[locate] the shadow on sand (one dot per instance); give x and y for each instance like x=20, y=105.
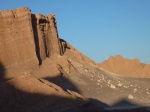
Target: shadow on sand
x=64, y=83
x=14, y=98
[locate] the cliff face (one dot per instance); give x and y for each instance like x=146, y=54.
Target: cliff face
x=126, y=67
x=26, y=40
x=46, y=36
x=31, y=51
x=16, y=40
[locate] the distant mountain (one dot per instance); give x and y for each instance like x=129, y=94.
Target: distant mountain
x=126, y=67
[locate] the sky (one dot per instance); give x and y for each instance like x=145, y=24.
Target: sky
x=98, y=28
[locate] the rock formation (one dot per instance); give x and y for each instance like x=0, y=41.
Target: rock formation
x=26, y=40
x=46, y=36
x=16, y=41
x=41, y=72
x=31, y=50
x=126, y=67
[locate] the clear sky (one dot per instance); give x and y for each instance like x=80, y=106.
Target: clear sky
x=98, y=28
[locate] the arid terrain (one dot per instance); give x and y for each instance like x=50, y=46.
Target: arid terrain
x=41, y=72
x=126, y=67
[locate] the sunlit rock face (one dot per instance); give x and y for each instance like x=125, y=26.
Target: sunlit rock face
x=126, y=67
x=17, y=46
x=26, y=40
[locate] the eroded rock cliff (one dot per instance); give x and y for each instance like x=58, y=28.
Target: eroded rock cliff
x=17, y=48
x=31, y=51
x=46, y=36
x=26, y=40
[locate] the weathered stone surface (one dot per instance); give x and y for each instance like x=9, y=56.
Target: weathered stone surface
x=26, y=40
x=17, y=48
x=126, y=67
x=46, y=36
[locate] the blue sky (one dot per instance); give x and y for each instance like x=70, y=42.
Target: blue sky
x=98, y=28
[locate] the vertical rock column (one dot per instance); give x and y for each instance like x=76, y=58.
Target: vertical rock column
x=46, y=36
x=54, y=46
x=39, y=23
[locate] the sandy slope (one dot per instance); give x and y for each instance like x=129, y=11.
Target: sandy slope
x=110, y=90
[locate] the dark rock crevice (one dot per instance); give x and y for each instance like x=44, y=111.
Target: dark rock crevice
x=46, y=37
x=36, y=40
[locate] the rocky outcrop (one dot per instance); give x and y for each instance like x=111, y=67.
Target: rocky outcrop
x=31, y=50
x=126, y=67
x=46, y=36
x=26, y=40
x=16, y=41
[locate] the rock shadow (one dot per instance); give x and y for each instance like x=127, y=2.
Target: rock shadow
x=99, y=103
x=36, y=39
x=123, y=105
x=13, y=99
x=63, y=82
x=64, y=45
x=25, y=95
x=2, y=72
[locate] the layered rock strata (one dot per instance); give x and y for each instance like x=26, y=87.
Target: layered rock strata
x=26, y=40
x=17, y=48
